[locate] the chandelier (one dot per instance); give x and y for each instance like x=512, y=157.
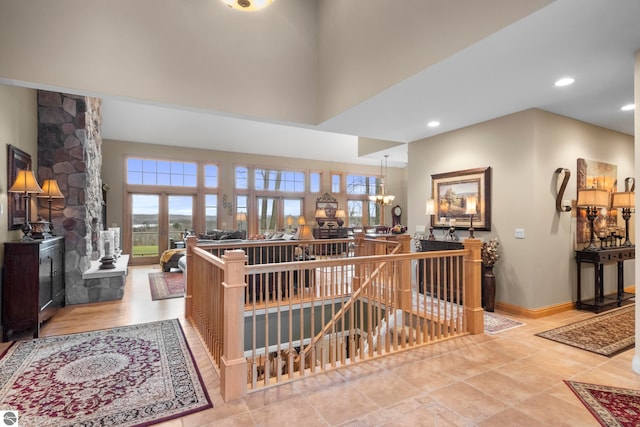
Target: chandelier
x=381, y=197
x=248, y=5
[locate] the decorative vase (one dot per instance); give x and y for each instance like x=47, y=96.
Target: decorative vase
x=489, y=288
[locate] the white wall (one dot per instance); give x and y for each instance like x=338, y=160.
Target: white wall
x=199, y=53
x=524, y=150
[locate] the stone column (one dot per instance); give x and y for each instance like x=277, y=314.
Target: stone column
x=69, y=150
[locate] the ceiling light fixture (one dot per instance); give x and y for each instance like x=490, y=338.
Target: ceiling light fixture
x=565, y=81
x=628, y=107
x=248, y=5
x=433, y=124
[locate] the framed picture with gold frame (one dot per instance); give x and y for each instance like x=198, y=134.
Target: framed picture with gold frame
x=16, y=159
x=450, y=193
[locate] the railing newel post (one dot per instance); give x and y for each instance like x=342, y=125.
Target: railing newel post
x=473, y=311
x=233, y=378
x=188, y=292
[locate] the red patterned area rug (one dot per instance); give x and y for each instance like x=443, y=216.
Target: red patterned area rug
x=166, y=285
x=612, y=406
x=607, y=334
x=130, y=376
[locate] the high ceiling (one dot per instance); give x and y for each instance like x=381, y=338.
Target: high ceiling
x=510, y=70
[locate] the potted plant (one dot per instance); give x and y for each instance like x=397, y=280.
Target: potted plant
x=490, y=256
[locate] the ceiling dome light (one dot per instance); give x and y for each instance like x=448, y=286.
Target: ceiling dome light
x=565, y=81
x=248, y=5
x=628, y=107
x=433, y=124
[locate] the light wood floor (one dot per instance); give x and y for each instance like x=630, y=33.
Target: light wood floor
x=510, y=379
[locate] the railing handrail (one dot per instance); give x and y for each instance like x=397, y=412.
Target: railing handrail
x=360, y=278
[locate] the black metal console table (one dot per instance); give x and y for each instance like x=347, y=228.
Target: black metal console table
x=599, y=258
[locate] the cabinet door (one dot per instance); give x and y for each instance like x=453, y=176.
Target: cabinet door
x=46, y=282
x=57, y=276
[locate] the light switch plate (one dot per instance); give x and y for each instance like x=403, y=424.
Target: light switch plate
x=519, y=233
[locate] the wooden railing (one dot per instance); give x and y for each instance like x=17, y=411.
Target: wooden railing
x=270, y=323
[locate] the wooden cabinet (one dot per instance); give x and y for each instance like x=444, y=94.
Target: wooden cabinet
x=33, y=284
x=434, y=275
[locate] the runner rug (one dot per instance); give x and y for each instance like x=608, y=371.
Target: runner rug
x=166, y=285
x=608, y=334
x=494, y=323
x=612, y=406
x=129, y=376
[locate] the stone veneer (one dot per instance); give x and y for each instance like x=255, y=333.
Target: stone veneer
x=69, y=150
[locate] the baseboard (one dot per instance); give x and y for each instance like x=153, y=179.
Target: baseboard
x=536, y=313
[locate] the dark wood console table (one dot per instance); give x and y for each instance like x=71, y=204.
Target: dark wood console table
x=599, y=258
x=443, y=265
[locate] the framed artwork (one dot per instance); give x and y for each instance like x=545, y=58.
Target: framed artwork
x=450, y=193
x=16, y=159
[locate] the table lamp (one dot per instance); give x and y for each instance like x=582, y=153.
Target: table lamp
x=430, y=212
x=27, y=184
x=626, y=201
x=591, y=200
x=472, y=203
x=50, y=190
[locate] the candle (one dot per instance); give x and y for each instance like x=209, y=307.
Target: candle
x=442, y=219
x=452, y=222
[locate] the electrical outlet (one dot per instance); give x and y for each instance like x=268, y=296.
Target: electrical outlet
x=519, y=233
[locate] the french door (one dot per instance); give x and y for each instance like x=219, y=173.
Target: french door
x=156, y=220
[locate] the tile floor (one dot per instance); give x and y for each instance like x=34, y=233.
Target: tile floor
x=509, y=379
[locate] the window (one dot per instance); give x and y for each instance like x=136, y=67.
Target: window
x=275, y=180
x=365, y=185
x=336, y=182
x=242, y=177
x=211, y=176
x=315, y=182
x=161, y=172
x=241, y=216
x=211, y=211
x=362, y=212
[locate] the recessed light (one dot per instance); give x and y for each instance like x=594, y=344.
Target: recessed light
x=565, y=81
x=628, y=107
x=433, y=124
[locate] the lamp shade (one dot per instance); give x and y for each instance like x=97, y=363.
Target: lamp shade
x=301, y=220
x=472, y=203
x=321, y=213
x=430, y=207
x=593, y=197
x=241, y=216
x=340, y=213
x=51, y=190
x=25, y=183
x=304, y=232
x=625, y=199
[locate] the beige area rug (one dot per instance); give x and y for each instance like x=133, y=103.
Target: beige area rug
x=166, y=285
x=607, y=334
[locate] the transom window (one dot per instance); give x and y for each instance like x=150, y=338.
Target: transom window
x=211, y=176
x=365, y=185
x=275, y=180
x=161, y=172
